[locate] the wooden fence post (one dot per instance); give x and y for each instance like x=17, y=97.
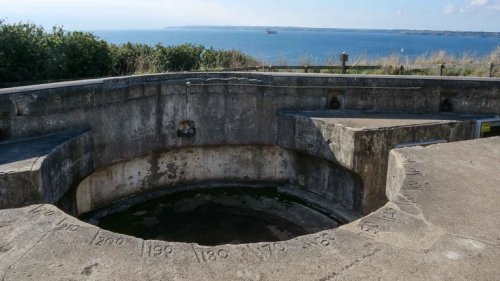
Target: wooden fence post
x=344, y=58
x=441, y=69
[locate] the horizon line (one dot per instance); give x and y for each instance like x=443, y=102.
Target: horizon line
x=320, y=28
x=195, y=26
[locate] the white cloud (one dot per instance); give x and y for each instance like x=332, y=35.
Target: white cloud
x=478, y=3
x=474, y=6
x=450, y=9
x=488, y=6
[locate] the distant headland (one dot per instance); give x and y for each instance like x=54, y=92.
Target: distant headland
x=294, y=28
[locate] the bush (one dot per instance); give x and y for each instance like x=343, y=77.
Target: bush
x=212, y=59
x=79, y=55
x=179, y=58
x=29, y=53
x=132, y=58
x=24, y=52
x=235, y=58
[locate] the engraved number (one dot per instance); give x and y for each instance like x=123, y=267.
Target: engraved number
x=101, y=241
x=159, y=250
x=211, y=255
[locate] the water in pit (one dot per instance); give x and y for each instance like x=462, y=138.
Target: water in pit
x=216, y=217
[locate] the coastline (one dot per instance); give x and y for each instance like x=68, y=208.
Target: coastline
x=483, y=34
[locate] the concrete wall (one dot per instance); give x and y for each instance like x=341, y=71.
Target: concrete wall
x=131, y=117
x=215, y=164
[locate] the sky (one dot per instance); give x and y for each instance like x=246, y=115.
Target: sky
x=462, y=15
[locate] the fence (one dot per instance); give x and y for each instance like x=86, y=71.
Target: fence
x=489, y=70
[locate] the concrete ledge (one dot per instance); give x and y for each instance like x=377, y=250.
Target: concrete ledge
x=43, y=169
x=361, y=141
x=441, y=224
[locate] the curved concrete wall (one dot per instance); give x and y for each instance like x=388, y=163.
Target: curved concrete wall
x=131, y=117
x=216, y=164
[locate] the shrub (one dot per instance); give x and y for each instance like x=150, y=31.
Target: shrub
x=132, y=58
x=213, y=59
x=235, y=58
x=79, y=55
x=23, y=52
x=29, y=53
x=179, y=58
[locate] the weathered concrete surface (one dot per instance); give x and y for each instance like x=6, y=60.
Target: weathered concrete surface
x=181, y=167
x=441, y=224
x=361, y=141
x=136, y=121
x=131, y=117
x=218, y=164
x=43, y=169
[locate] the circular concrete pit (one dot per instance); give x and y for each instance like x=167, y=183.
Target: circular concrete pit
x=249, y=177
x=200, y=194
x=229, y=215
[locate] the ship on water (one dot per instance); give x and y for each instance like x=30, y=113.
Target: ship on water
x=271, y=32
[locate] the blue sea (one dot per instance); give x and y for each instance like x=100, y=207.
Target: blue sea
x=289, y=46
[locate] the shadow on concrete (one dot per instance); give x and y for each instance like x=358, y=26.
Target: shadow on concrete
x=28, y=148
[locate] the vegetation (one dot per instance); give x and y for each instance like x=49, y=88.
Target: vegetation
x=438, y=63
x=29, y=54
x=429, y=64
